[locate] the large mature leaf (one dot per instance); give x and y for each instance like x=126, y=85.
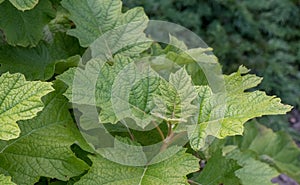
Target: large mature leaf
x=169, y=171
x=39, y=62
x=122, y=89
x=24, y=28
x=219, y=170
x=19, y=100
x=43, y=149
x=94, y=83
x=252, y=171
x=279, y=150
x=223, y=114
x=175, y=103
x=132, y=93
x=24, y=4
x=93, y=18
x=4, y=180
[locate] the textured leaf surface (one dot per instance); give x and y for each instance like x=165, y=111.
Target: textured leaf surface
x=279, y=150
x=43, y=149
x=39, y=63
x=219, y=170
x=93, y=85
x=175, y=103
x=18, y=26
x=94, y=17
x=223, y=114
x=132, y=93
x=253, y=171
x=5, y=180
x=19, y=100
x=24, y=4
x=121, y=89
x=169, y=171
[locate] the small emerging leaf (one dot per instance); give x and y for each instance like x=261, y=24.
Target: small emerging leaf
x=175, y=102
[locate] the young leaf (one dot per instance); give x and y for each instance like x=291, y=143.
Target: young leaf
x=15, y=24
x=223, y=114
x=175, y=102
x=169, y=171
x=43, y=148
x=19, y=100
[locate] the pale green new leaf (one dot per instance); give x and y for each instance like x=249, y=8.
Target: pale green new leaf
x=252, y=171
x=280, y=150
x=24, y=4
x=170, y=171
x=43, y=148
x=5, y=180
x=175, y=102
x=19, y=100
x=223, y=114
x=93, y=18
x=15, y=24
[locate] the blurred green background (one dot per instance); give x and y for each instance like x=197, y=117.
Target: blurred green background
x=263, y=35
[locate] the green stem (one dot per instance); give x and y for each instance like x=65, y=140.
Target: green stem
x=159, y=130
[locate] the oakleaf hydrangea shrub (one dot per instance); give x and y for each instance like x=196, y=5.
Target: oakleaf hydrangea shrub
x=89, y=97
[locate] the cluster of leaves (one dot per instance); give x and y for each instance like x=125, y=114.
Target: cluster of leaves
x=262, y=35
x=43, y=71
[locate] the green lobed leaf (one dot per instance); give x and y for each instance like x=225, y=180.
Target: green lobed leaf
x=6, y=180
x=94, y=18
x=175, y=102
x=24, y=4
x=43, y=148
x=94, y=83
x=122, y=89
x=253, y=171
x=170, y=171
x=280, y=150
x=19, y=100
x=223, y=114
x=15, y=25
x=132, y=93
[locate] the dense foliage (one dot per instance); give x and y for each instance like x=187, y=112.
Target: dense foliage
x=56, y=69
x=263, y=35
